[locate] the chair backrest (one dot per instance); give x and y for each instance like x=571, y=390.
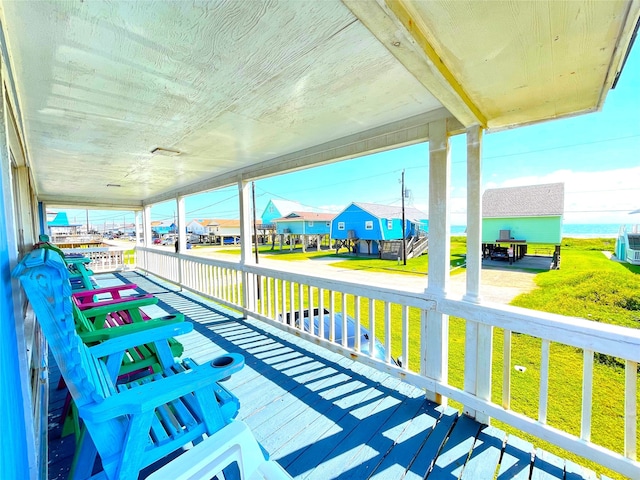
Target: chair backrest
x=45, y=279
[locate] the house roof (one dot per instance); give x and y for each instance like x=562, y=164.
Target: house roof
x=391, y=211
x=528, y=201
x=286, y=206
x=162, y=223
x=205, y=222
x=306, y=216
x=61, y=220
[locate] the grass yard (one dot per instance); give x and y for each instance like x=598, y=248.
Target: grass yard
x=414, y=266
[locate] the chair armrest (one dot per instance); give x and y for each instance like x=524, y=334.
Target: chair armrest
x=107, y=333
x=104, y=310
x=124, y=342
x=84, y=305
x=148, y=396
x=114, y=291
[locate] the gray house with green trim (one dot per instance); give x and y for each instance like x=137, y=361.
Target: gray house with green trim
x=519, y=216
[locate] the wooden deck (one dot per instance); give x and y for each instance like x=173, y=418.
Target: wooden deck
x=323, y=416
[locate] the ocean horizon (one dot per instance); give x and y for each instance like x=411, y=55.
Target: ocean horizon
x=576, y=230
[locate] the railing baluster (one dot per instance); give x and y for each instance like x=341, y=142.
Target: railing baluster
x=405, y=337
x=283, y=302
x=310, y=306
x=345, y=334
x=268, y=282
x=321, y=312
x=356, y=312
x=300, y=306
x=587, y=395
x=332, y=316
x=372, y=326
x=506, y=371
x=544, y=382
x=387, y=332
x=292, y=309
x=630, y=409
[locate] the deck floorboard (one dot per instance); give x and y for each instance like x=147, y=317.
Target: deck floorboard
x=324, y=416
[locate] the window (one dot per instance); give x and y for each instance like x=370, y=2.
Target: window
x=328, y=224
x=389, y=224
x=368, y=225
x=310, y=224
x=272, y=209
x=340, y=225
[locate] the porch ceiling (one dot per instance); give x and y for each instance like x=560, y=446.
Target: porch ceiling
x=247, y=89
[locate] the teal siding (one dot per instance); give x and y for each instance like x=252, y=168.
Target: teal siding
x=304, y=227
x=270, y=213
x=531, y=229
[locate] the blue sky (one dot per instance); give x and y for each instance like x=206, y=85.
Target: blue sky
x=596, y=155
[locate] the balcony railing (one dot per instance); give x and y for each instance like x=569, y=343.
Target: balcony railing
x=106, y=259
x=397, y=319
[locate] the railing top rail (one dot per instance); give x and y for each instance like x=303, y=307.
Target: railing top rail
x=614, y=340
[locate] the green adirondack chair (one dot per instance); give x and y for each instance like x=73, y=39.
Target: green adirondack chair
x=132, y=425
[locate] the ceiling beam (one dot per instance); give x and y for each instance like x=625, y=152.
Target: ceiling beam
x=65, y=201
x=386, y=137
x=400, y=31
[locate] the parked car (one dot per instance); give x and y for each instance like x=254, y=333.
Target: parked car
x=157, y=241
x=499, y=253
x=379, y=351
x=169, y=240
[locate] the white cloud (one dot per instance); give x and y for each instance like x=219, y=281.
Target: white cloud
x=591, y=197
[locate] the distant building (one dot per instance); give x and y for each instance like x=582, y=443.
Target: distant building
x=308, y=227
x=365, y=227
x=203, y=226
x=515, y=217
x=162, y=227
x=278, y=209
x=61, y=227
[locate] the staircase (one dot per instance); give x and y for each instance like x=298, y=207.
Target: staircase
x=416, y=246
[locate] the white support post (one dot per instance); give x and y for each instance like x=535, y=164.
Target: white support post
x=137, y=226
x=246, y=257
x=474, y=213
x=435, y=325
x=182, y=235
x=146, y=226
x=478, y=337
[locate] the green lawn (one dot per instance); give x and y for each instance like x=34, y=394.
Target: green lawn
x=343, y=259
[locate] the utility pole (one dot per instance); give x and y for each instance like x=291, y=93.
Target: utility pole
x=404, y=240
x=87, y=211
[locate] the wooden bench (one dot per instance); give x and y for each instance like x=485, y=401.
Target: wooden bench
x=130, y=426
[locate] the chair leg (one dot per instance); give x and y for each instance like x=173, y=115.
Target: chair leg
x=85, y=457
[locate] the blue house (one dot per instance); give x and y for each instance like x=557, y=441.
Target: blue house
x=278, y=209
x=304, y=226
x=365, y=227
x=163, y=227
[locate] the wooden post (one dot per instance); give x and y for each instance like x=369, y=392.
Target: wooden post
x=435, y=325
x=478, y=337
x=244, y=197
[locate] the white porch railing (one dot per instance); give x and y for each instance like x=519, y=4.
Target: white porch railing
x=105, y=259
x=269, y=294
